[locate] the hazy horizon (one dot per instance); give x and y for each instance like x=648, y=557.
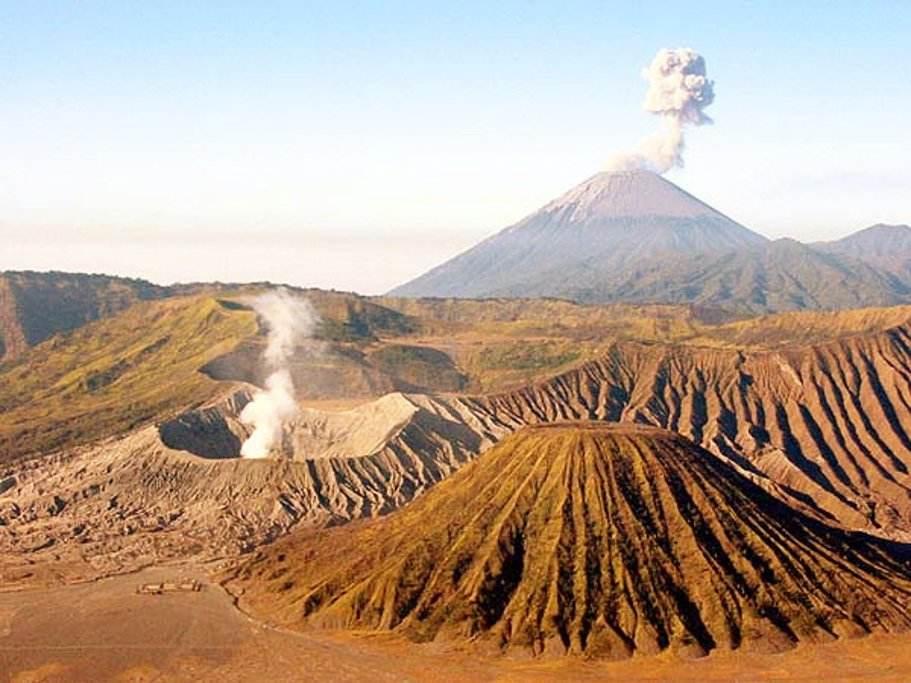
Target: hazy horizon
x=356, y=146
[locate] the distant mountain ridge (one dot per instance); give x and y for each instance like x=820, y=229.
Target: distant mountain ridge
x=635, y=237
x=887, y=247
x=780, y=275
x=609, y=222
x=34, y=306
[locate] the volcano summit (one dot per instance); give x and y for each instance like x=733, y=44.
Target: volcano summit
x=611, y=222
x=635, y=237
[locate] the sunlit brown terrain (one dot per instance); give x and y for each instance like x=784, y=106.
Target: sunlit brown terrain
x=413, y=342
x=104, y=631
x=791, y=448
x=590, y=538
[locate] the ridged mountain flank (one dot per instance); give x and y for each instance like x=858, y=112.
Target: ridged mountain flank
x=781, y=275
x=611, y=221
x=35, y=306
x=591, y=539
x=635, y=237
x=887, y=247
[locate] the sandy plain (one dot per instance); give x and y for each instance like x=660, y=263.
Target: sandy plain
x=105, y=631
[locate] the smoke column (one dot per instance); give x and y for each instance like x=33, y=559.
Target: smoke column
x=289, y=321
x=678, y=93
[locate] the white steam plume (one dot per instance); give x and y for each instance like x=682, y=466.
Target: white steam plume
x=678, y=92
x=289, y=320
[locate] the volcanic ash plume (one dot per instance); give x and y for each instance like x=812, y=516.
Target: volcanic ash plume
x=290, y=321
x=678, y=92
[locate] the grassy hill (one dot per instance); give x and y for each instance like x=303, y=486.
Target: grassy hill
x=109, y=376
x=35, y=306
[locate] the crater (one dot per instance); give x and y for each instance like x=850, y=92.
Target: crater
x=216, y=432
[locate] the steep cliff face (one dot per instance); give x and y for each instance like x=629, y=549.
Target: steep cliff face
x=35, y=306
x=588, y=538
x=12, y=337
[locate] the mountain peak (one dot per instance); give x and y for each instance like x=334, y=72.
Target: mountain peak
x=883, y=246
x=609, y=222
x=900, y=228
x=881, y=232
x=614, y=194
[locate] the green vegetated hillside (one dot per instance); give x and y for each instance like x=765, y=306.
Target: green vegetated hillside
x=418, y=367
x=35, y=306
x=114, y=374
x=802, y=327
x=152, y=357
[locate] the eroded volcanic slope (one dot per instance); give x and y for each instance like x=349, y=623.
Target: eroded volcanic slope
x=604, y=540
x=826, y=423
x=821, y=425
x=177, y=490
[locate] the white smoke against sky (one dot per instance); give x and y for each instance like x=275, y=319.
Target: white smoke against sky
x=678, y=93
x=289, y=321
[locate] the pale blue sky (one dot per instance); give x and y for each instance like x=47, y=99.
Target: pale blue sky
x=355, y=145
